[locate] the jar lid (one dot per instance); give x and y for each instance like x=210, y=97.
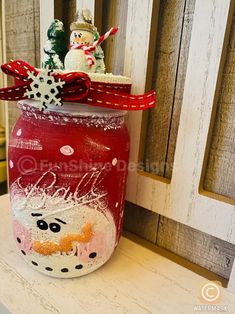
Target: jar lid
x=75, y=109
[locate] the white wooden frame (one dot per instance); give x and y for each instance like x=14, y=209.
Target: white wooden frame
x=179, y=199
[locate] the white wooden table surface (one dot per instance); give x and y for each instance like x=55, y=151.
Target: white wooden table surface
x=136, y=280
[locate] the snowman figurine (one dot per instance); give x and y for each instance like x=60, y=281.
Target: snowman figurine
x=79, y=58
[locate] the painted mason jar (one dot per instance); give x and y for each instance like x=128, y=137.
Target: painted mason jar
x=68, y=170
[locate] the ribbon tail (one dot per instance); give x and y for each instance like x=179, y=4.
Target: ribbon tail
x=18, y=69
x=14, y=92
x=121, y=101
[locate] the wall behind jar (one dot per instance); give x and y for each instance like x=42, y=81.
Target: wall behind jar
x=22, y=35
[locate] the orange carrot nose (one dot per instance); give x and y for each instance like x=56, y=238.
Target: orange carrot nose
x=66, y=242
x=77, y=40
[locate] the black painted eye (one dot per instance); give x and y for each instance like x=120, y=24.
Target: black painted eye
x=93, y=255
x=54, y=227
x=42, y=225
x=75, y=35
x=80, y=35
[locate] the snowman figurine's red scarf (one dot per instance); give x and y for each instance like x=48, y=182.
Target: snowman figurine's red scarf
x=77, y=88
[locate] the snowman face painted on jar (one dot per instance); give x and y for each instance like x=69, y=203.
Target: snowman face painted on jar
x=61, y=237
x=81, y=37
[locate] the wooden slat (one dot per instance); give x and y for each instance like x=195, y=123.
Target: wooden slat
x=220, y=173
x=99, y=14
x=86, y=4
x=115, y=14
x=141, y=222
x=58, y=9
x=179, y=85
x=138, y=28
x=197, y=247
x=67, y=15
x=22, y=30
x=166, y=69
x=46, y=18
x=22, y=38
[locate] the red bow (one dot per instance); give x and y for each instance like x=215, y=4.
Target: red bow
x=77, y=87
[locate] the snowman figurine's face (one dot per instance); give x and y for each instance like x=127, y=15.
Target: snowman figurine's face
x=81, y=37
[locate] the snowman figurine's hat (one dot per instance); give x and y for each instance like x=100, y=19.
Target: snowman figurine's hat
x=84, y=22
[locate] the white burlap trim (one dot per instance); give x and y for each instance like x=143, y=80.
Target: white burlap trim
x=109, y=78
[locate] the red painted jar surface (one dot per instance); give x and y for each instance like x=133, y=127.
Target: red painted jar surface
x=68, y=171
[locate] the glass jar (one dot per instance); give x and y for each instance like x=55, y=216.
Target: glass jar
x=67, y=172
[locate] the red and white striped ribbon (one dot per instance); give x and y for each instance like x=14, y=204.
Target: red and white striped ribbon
x=89, y=59
x=112, y=31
